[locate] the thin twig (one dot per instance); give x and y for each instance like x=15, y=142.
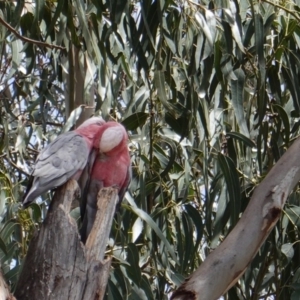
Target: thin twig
x=16, y=167
x=25, y=39
x=48, y=123
x=283, y=8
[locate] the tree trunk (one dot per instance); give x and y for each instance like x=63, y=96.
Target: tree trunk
x=58, y=265
x=79, y=84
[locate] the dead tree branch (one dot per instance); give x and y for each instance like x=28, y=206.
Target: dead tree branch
x=225, y=265
x=31, y=41
x=58, y=266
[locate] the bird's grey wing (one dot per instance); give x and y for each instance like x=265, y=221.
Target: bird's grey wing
x=66, y=155
x=61, y=160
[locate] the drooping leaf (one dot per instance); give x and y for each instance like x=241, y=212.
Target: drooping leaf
x=232, y=181
x=135, y=120
x=237, y=87
x=242, y=138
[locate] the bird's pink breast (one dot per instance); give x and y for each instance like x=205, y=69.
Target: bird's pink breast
x=111, y=171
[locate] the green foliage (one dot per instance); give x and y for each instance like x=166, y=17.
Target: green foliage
x=209, y=94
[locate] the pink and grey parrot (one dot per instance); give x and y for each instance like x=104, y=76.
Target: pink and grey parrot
x=65, y=158
x=111, y=168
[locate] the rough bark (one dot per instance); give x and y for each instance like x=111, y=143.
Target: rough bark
x=225, y=265
x=58, y=266
x=75, y=84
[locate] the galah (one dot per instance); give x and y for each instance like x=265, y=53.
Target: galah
x=111, y=168
x=63, y=159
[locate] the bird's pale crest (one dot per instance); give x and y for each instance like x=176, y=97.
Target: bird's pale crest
x=92, y=121
x=111, y=138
